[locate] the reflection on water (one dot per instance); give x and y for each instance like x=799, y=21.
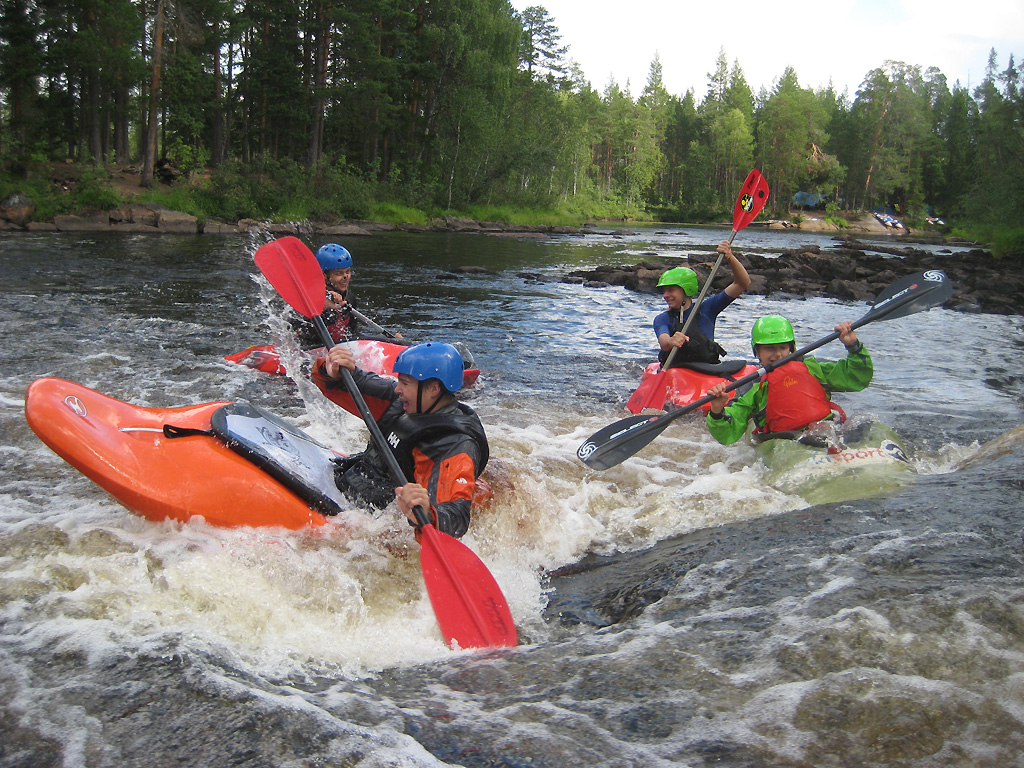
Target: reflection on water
x=699, y=616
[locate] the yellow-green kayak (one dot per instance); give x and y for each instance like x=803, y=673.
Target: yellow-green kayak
x=834, y=463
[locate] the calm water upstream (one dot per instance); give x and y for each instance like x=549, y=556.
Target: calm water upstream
x=697, y=617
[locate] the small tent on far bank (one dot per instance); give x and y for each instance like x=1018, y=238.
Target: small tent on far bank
x=808, y=200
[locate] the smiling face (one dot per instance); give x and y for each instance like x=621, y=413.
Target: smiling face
x=339, y=279
x=769, y=353
x=675, y=297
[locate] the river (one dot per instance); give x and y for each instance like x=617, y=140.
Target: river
x=672, y=610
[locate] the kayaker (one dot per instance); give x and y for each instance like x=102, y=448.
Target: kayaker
x=336, y=263
x=438, y=441
x=793, y=396
x=679, y=286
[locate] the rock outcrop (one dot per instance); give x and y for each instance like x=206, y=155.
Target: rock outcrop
x=846, y=271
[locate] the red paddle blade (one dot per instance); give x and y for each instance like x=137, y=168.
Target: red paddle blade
x=295, y=274
x=650, y=394
x=467, y=601
x=753, y=196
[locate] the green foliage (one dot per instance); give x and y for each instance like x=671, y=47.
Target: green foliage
x=833, y=215
x=1005, y=241
x=187, y=157
x=45, y=195
x=91, y=194
x=396, y=213
x=276, y=189
x=1008, y=243
x=180, y=197
x=523, y=216
x=398, y=110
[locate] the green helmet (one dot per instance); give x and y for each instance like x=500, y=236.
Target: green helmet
x=772, y=329
x=684, y=277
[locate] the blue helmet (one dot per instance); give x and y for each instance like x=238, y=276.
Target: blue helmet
x=333, y=256
x=432, y=360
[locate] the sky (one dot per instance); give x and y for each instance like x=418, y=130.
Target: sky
x=838, y=40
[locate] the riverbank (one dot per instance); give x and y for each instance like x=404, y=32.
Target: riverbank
x=88, y=201
x=17, y=214
x=154, y=218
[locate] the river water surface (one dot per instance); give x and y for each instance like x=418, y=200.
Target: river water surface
x=673, y=610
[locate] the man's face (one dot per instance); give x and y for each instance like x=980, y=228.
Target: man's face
x=407, y=388
x=339, y=278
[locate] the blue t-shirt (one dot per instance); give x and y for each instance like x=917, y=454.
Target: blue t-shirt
x=706, y=316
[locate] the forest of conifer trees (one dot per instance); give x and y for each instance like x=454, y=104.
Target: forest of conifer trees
x=450, y=104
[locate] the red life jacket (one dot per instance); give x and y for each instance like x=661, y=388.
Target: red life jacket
x=338, y=328
x=795, y=398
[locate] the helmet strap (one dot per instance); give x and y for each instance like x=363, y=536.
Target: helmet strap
x=419, y=398
x=438, y=400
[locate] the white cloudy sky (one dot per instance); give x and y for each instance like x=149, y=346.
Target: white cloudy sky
x=837, y=40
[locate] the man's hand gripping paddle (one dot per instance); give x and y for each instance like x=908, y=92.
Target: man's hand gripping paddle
x=617, y=442
x=753, y=196
x=470, y=607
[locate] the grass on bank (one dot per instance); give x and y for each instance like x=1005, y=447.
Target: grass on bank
x=281, y=190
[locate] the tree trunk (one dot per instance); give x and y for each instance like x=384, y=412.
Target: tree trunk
x=316, y=139
x=154, y=98
x=122, y=120
x=217, y=134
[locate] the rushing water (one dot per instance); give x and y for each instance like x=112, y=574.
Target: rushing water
x=673, y=610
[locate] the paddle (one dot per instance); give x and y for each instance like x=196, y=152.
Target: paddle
x=753, y=196
x=467, y=601
x=617, y=442
x=360, y=316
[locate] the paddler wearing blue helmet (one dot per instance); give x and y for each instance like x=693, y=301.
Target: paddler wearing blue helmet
x=336, y=263
x=438, y=441
x=678, y=287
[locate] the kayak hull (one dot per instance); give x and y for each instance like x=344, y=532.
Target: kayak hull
x=872, y=460
x=683, y=385
x=371, y=355
x=123, y=449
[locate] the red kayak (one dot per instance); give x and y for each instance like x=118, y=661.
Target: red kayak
x=687, y=383
x=371, y=355
x=231, y=464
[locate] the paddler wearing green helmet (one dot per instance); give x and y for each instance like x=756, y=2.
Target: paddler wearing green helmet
x=792, y=398
x=679, y=286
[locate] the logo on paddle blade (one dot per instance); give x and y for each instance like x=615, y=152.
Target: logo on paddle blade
x=934, y=276
x=893, y=450
x=76, y=406
x=746, y=202
x=585, y=450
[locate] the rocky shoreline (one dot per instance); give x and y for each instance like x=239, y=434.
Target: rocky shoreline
x=845, y=271
x=17, y=215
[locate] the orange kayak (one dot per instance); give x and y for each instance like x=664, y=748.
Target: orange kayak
x=126, y=450
x=371, y=355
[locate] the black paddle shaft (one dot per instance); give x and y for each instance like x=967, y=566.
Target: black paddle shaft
x=371, y=424
x=617, y=442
